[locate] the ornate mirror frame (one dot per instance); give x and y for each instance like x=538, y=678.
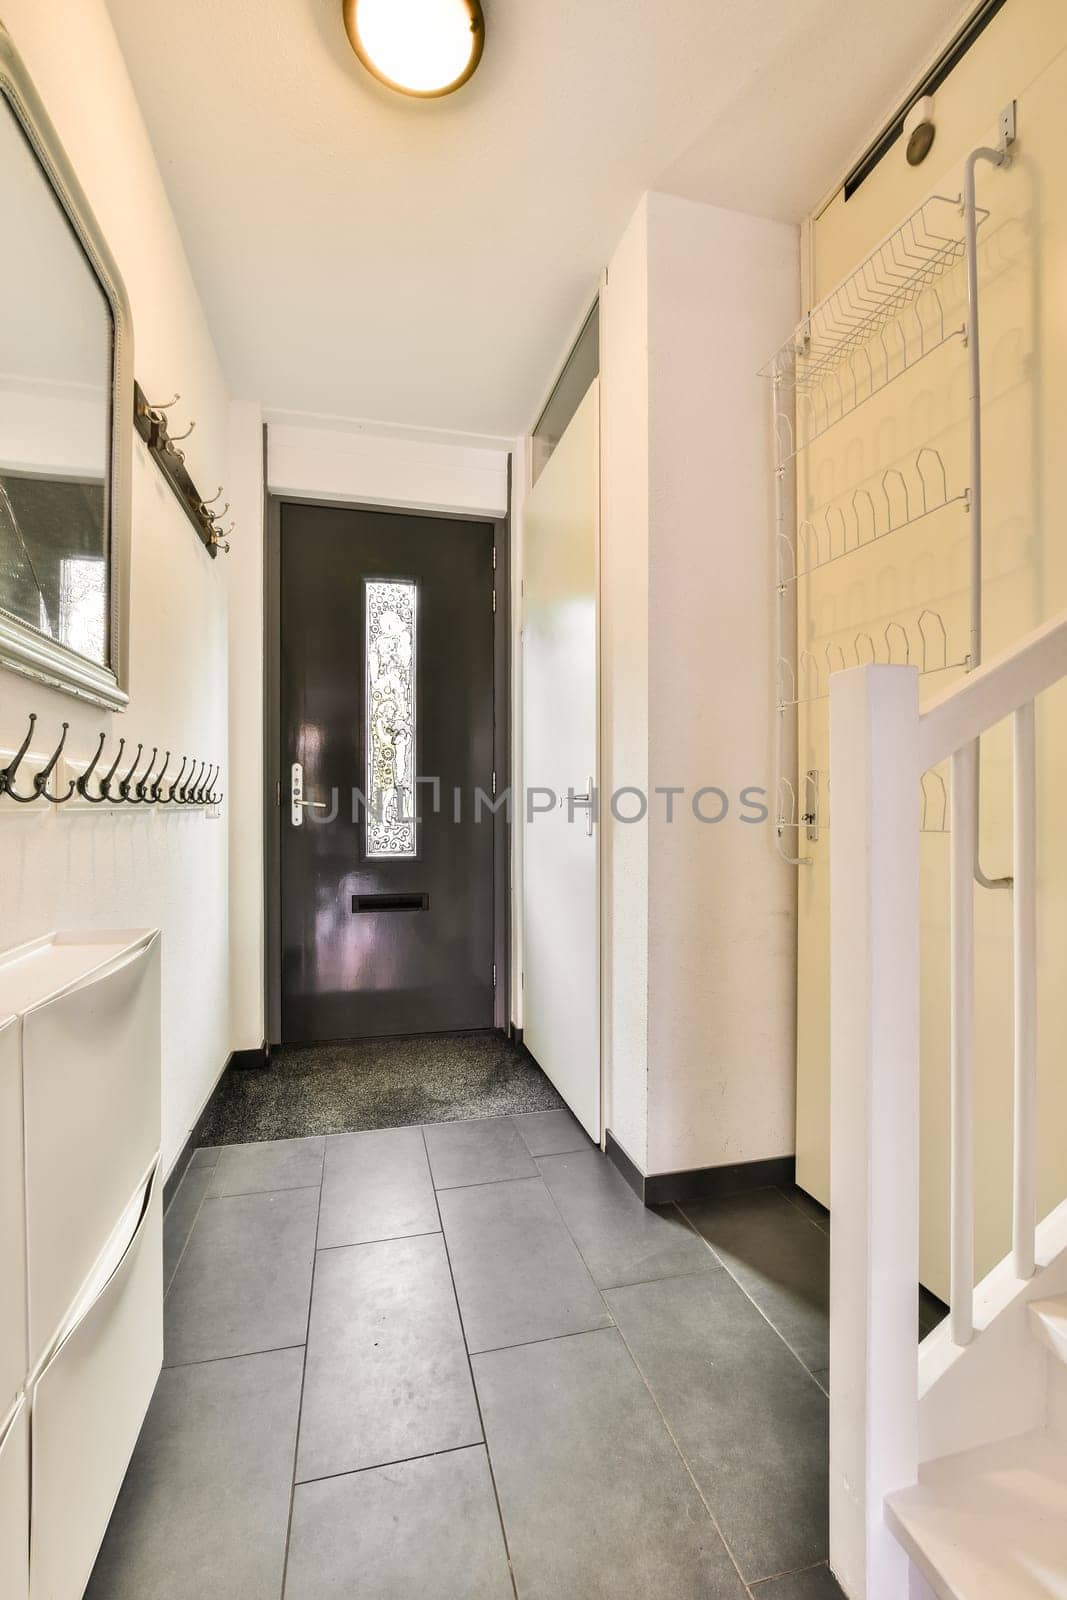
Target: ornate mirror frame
x=22, y=648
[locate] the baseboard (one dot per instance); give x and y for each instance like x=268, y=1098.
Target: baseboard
x=236, y=1058
x=243, y=1060
x=185, y=1154
x=699, y=1183
x=706, y=1183
x=626, y=1165
x=514, y=1033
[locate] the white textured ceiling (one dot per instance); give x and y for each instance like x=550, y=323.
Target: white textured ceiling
x=424, y=262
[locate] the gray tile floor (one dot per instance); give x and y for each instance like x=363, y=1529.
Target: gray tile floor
x=463, y=1362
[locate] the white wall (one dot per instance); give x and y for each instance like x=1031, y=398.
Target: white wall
x=64, y=870
x=699, y=1028
x=624, y=567
x=333, y=459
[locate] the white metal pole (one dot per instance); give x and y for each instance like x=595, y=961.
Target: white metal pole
x=783, y=637
x=961, y=1270
x=1024, y=1197
x=997, y=158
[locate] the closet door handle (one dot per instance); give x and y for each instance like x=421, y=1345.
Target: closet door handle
x=585, y=800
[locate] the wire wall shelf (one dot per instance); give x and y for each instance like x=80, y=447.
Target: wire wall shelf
x=922, y=643
x=886, y=317
x=894, y=311
x=893, y=279
x=898, y=500
x=814, y=819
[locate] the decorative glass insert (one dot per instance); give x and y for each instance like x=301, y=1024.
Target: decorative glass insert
x=390, y=622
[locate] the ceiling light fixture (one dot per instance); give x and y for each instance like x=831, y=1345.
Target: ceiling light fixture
x=419, y=47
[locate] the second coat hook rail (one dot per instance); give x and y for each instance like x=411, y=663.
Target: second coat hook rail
x=152, y=423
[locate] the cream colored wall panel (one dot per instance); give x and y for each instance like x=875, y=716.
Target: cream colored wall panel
x=88, y=1405
x=1022, y=269
x=15, y=1504
x=12, y=1220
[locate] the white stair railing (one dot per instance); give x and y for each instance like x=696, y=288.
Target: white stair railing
x=880, y=744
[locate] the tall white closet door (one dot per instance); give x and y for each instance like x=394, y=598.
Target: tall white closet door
x=561, y=981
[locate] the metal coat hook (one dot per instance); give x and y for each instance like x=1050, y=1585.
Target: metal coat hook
x=40, y=782
x=82, y=780
x=189, y=792
x=139, y=796
x=174, y=437
x=153, y=797
x=124, y=783
x=177, y=781
x=158, y=413
x=7, y=777
x=105, y=782
x=204, y=504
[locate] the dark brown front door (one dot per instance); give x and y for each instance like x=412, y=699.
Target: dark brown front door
x=387, y=715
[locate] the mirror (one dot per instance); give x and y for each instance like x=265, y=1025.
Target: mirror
x=65, y=416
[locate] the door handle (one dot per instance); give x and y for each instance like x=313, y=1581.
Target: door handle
x=587, y=800
x=297, y=803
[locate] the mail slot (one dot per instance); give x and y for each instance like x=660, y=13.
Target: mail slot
x=390, y=902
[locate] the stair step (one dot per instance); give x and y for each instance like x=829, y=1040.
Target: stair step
x=991, y=1523
x=1048, y=1318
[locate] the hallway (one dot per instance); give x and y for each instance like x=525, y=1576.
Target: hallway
x=398, y=1359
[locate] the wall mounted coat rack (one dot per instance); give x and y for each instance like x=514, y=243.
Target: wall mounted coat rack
x=206, y=516
x=193, y=783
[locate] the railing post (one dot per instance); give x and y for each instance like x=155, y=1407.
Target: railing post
x=962, y=845
x=874, y=1119
x=1024, y=872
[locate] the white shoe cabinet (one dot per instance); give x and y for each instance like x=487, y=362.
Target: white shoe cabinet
x=81, y=1315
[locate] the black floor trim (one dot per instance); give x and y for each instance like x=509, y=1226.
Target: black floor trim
x=236, y=1058
x=259, y=1057
x=699, y=1183
x=626, y=1165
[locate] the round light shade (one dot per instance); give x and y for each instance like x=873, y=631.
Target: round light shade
x=421, y=47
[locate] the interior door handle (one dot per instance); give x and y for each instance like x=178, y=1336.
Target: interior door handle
x=586, y=800
x=297, y=803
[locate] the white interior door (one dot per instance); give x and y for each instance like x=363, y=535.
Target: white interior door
x=561, y=963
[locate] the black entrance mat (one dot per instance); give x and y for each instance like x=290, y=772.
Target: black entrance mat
x=375, y=1083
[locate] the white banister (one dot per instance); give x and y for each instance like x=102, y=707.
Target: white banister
x=879, y=747
x=874, y=1118
x=1024, y=870
x=961, y=1047
x=993, y=691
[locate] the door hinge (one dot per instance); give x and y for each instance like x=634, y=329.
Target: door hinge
x=494, y=599
x=494, y=783
x=278, y=793
x=494, y=558
x=494, y=974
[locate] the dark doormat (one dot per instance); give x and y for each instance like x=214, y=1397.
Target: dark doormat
x=375, y=1083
